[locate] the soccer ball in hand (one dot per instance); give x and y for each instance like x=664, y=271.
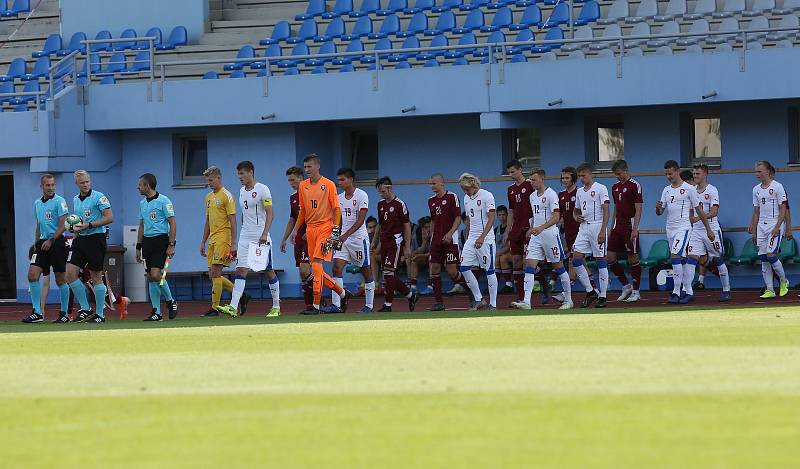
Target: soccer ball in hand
x=71, y=221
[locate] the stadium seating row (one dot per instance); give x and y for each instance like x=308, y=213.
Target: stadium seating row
x=14, y=8
x=53, y=46
x=117, y=63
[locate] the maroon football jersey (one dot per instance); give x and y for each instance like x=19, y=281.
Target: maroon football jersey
x=519, y=201
x=294, y=207
x=444, y=212
x=392, y=215
x=566, y=204
x=626, y=195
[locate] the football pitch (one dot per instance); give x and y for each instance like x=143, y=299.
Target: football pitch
x=684, y=388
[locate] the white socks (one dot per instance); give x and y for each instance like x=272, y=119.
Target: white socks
x=238, y=290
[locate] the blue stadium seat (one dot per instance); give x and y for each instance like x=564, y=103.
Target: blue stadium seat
x=589, y=13
x=245, y=52
x=532, y=16
x=177, y=37
x=362, y=28
x=581, y=32
x=21, y=108
x=6, y=87
x=646, y=10
x=95, y=66
x=675, y=9
x=618, y=11
x=494, y=5
x=445, y=23
x=30, y=87
x=495, y=37
x=116, y=64
x=473, y=5
x=51, y=46
x=518, y=58
x=729, y=24
x=701, y=9
x=334, y=30
x=787, y=7
x=347, y=68
x=461, y=61
x=523, y=36
x=372, y=67
x=298, y=49
x=699, y=26
x=341, y=7
x=308, y=29
x=152, y=32
x=315, y=8
x=670, y=27
x=391, y=24
x=382, y=44
x=74, y=44
x=526, y=3
x=326, y=48
x=127, y=34
x=102, y=46
x=367, y=7
x=559, y=15
x=40, y=69
x=319, y=69
x=438, y=41
x=65, y=68
x=466, y=39
x=262, y=73
x=431, y=63
x=141, y=62
x=355, y=46
x=447, y=5
x=473, y=21
x=291, y=71
x=281, y=32
x=273, y=50
x=418, y=24
x=420, y=5
x=410, y=42
x=109, y=80
x=402, y=65
x=554, y=34
x=788, y=21
x=238, y=74
x=20, y=6
x=16, y=69
x=502, y=19
x=211, y=76
x=395, y=6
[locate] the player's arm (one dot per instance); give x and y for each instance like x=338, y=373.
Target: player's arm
x=448, y=237
x=407, y=239
x=754, y=223
x=577, y=214
x=788, y=232
x=781, y=218
x=206, y=234
x=601, y=237
x=637, y=218
x=376, y=238
x=173, y=235
x=660, y=203
x=360, y=218
x=232, y=221
x=139, y=240
x=703, y=217
x=269, y=213
x=287, y=232
x=106, y=219
x=486, y=229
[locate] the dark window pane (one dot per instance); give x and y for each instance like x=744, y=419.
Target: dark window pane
x=707, y=138
x=526, y=146
x=364, y=154
x=610, y=142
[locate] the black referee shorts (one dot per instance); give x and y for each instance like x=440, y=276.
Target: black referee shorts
x=55, y=257
x=154, y=251
x=89, y=251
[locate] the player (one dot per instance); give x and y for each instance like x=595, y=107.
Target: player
x=295, y=176
x=320, y=212
x=767, y=226
x=394, y=231
x=519, y=214
x=219, y=231
x=545, y=242
x=591, y=211
x=89, y=246
x=155, y=243
x=354, y=204
x=624, y=236
x=700, y=245
x=677, y=200
x=50, y=251
x=479, y=246
x=445, y=211
x=255, y=201
x=503, y=262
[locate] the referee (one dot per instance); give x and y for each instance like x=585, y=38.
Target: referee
x=155, y=243
x=50, y=250
x=89, y=246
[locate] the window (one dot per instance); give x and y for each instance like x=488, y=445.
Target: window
x=794, y=135
x=524, y=145
x=610, y=135
x=706, y=140
x=191, y=159
x=364, y=154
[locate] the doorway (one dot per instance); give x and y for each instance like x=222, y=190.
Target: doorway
x=8, y=258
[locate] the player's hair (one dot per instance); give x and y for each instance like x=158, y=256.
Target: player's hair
x=437, y=175
x=384, y=181
x=311, y=157
x=767, y=165
x=371, y=219
x=514, y=164
x=672, y=164
x=295, y=170
x=212, y=171
x=150, y=179
x=46, y=176
x=81, y=172
x=346, y=172
x=502, y=208
x=687, y=175
x=584, y=167
x=538, y=171
x=246, y=165
x=469, y=180
x=619, y=165
x=573, y=173
x=702, y=167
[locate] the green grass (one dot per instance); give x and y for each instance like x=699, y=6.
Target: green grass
x=713, y=388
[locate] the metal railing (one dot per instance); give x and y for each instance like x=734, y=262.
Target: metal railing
x=37, y=99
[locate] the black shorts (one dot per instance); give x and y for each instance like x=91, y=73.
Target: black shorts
x=55, y=257
x=88, y=251
x=154, y=251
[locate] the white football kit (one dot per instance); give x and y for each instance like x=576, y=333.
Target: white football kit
x=590, y=202
x=477, y=209
x=546, y=246
x=355, y=249
x=699, y=244
x=768, y=200
x=677, y=203
x=253, y=203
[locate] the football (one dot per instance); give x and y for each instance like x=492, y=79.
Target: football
x=71, y=221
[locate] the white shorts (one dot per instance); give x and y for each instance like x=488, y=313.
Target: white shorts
x=355, y=251
x=700, y=245
x=474, y=257
x=546, y=247
x=766, y=243
x=586, y=242
x=244, y=245
x=678, y=241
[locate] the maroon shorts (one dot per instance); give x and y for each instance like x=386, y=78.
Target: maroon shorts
x=390, y=253
x=517, y=242
x=620, y=241
x=300, y=252
x=444, y=253
x=569, y=241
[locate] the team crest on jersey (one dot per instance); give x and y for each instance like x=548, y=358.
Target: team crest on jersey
x=254, y=194
x=682, y=191
x=544, y=199
x=391, y=209
x=770, y=191
x=624, y=189
x=523, y=190
x=322, y=187
x=593, y=193
x=355, y=202
x=153, y=216
x=572, y=199
x=87, y=213
x=48, y=215
x=479, y=203
x=217, y=202
x=706, y=196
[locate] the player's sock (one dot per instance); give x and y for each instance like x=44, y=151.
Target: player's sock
x=519, y=284
x=602, y=277
x=677, y=275
x=238, y=289
x=619, y=271
x=636, y=276
x=36, y=296
x=766, y=272
x=155, y=296
x=369, y=293
x=275, y=291
x=530, y=274
x=688, y=275
x=582, y=274
x=335, y=298
x=491, y=280
x=79, y=289
x=724, y=279
x=64, y=292
x=166, y=293
x=100, y=291
x=701, y=278
x=388, y=287
x=308, y=291
x=436, y=283
x=777, y=267
x=319, y=277
x=216, y=291
x=566, y=286
x=472, y=283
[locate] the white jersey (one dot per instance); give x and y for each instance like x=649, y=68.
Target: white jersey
x=590, y=202
x=477, y=208
x=677, y=202
x=543, y=206
x=708, y=198
x=768, y=200
x=253, y=203
x=350, y=209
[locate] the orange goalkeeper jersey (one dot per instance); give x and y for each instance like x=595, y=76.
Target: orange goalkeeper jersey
x=317, y=201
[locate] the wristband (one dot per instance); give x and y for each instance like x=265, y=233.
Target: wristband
x=138, y=246
x=172, y=244
x=90, y=225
